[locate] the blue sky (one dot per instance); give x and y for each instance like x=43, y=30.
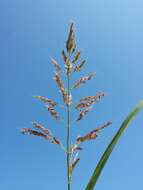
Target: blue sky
x=109, y=33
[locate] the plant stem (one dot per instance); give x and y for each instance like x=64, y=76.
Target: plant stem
x=68, y=136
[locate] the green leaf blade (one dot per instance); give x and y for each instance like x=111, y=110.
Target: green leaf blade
x=109, y=149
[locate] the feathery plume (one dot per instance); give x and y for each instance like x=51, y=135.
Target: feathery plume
x=83, y=80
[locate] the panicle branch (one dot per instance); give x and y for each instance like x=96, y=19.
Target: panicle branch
x=93, y=134
x=46, y=134
x=46, y=100
x=83, y=80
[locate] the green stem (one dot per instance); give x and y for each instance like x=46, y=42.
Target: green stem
x=68, y=136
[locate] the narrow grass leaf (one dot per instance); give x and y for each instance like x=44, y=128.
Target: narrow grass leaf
x=108, y=151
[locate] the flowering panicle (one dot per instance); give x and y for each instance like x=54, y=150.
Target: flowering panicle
x=73, y=63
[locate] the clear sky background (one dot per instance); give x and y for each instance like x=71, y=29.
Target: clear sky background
x=110, y=35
